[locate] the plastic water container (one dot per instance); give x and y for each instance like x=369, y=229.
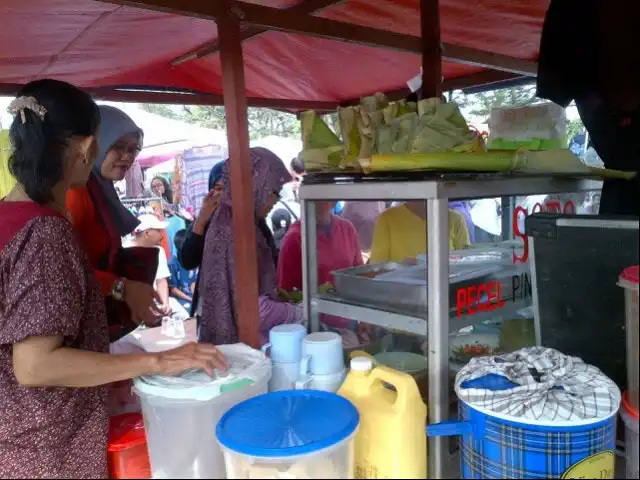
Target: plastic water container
x=290, y=434
x=180, y=413
x=630, y=417
x=391, y=441
x=629, y=281
x=127, y=449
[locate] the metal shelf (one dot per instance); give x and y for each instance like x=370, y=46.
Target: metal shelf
x=449, y=187
x=395, y=319
x=438, y=189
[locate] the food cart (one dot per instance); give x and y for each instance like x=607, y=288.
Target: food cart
x=435, y=319
x=321, y=41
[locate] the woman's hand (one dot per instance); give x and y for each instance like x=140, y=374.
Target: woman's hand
x=141, y=298
x=192, y=355
x=209, y=205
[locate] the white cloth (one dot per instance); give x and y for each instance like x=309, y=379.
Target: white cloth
x=551, y=386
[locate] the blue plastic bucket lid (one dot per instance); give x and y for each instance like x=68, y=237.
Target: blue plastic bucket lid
x=287, y=424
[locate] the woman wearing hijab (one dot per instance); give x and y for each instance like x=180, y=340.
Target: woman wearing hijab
x=218, y=319
x=190, y=253
x=100, y=220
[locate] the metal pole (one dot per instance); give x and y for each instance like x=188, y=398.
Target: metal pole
x=310, y=263
x=507, y=206
x=438, y=330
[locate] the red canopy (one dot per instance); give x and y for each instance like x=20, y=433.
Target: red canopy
x=95, y=44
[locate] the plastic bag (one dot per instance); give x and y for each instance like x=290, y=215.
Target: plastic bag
x=246, y=366
x=534, y=127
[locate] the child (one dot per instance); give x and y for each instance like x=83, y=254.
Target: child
x=182, y=281
x=150, y=234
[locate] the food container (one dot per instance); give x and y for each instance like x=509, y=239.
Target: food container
x=412, y=363
x=402, y=286
x=630, y=417
x=629, y=281
x=464, y=346
x=290, y=434
x=180, y=413
x=513, y=422
x=127, y=448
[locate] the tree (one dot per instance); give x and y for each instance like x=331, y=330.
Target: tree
x=574, y=127
x=262, y=121
x=480, y=104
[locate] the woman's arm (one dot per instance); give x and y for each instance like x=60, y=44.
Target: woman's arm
x=46, y=362
x=49, y=294
x=273, y=313
x=190, y=255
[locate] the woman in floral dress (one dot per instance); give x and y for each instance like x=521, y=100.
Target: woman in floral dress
x=54, y=362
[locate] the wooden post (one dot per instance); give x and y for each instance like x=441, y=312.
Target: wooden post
x=431, y=49
x=244, y=230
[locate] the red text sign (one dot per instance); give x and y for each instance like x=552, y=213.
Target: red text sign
x=485, y=297
x=552, y=206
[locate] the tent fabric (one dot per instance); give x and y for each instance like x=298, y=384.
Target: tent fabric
x=93, y=44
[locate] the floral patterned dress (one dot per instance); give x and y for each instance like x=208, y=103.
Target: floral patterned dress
x=47, y=289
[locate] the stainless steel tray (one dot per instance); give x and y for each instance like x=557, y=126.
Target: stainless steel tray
x=351, y=284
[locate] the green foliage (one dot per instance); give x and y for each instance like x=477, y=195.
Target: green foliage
x=574, y=127
x=262, y=121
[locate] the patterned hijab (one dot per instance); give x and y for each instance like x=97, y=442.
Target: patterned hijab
x=218, y=323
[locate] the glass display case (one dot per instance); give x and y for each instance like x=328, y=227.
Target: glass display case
x=429, y=313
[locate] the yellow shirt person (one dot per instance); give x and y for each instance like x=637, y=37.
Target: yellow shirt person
x=7, y=181
x=401, y=232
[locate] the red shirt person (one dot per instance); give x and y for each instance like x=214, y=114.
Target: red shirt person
x=338, y=248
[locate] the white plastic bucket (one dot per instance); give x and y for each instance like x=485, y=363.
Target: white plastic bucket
x=180, y=414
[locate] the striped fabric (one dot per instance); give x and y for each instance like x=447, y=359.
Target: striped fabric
x=197, y=163
x=504, y=449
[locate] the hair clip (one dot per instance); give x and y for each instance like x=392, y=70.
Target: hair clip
x=22, y=103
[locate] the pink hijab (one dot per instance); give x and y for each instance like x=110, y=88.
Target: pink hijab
x=218, y=319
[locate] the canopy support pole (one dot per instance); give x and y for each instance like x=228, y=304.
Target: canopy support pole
x=241, y=171
x=431, y=49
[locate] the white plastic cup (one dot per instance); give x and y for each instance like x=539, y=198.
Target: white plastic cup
x=322, y=354
x=283, y=376
x=285, y=343
x=327, y=383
